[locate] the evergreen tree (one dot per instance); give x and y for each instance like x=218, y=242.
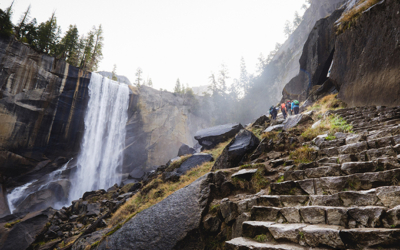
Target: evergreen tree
x=288, y=29
x=47, y=35
x=97, y=53
x=6, y=26
x=139, y=79
x=114, y=73
x=297, y=20
x=87, y=51
x=150, y=83
x=69, y=45
x=261, y=63
x=29, y=33
x=178, y=87
x=223, y=77
x=213, y=87
x=22, y=23
x=244, y=78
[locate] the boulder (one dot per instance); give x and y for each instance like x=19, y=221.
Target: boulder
x=173, y=223
x=261, y=121
x=265, y=146
x=24, y=233
x=294, y=120
x=274, y=128
x=192, y=162
x=186, y=150
x=245, y=173
x=241, y=146
x=47, y=196
x=210, y=137
x=136, y=174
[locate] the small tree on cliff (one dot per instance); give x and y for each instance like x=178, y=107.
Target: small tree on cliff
x=114, y=73
x=139, y=79
x=22, y=23
x=6, y=26
x=178, y=87
x=48, y=35
x=69, y=45
x=97, y=53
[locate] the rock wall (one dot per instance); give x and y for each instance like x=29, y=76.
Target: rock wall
x=315, y=60
x=366, y=65
x=42, y=105
x=285, y=64
x=161, y=121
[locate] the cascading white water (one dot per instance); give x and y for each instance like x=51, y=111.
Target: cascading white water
x=101, y=156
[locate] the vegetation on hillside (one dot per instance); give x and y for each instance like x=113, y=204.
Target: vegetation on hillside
x=83, y=51
x=348, y=18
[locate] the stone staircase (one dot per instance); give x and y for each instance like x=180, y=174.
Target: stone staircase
x=348, y=198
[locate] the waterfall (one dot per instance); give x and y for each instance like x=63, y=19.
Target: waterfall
x=100, y=160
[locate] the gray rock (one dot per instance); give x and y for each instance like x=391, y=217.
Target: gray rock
x=259, y=213
x=336, y=216
x=358, y=198
x=210, y=137
x=353, y=148
x=137, y=174
x=172, y=223
x=323, y=235
x=186, y=150
x=286, y=231
x=358, y=167
x=241, y=146
x=237, y=227
x=261, y=121
x=313, y=214
x=245, y=173
x=291, y=214
x=367, y=216
x=24, y=233
x=361, y=238
x=294, y=120
x=194, y=161
x=274, y=128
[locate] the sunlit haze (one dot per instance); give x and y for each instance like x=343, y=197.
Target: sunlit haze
x=170, y=39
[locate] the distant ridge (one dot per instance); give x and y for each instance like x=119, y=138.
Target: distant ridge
x=122, y=79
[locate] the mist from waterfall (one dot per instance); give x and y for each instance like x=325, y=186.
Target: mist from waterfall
x=100, y=160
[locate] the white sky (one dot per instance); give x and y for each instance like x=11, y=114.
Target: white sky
x=170, y=39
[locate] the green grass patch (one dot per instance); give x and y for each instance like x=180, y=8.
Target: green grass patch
x=176, y=164
x=11, y=224
x=281, y=179
x=261, y=238
x=330, y=125
x=302, y=155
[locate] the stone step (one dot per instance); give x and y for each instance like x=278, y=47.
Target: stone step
x=347, y=168
x=346, y=217
x=242, y=243
x=383, y=196
x=333, y=185
x=320, y=235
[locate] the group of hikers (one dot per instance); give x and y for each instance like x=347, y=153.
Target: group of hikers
x=288, y=108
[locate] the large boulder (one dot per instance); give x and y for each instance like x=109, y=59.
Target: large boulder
x=261, y=121
x=315, y=60
x=24, y=232
x=211, y=137
x=192, y=162
x=174, y=223
x=4, y=209
x=293, y=120
x=48, y=195
x=242, y=145
x=186, y=150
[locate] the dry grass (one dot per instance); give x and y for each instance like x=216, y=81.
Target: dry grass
x=350, y=16
x=143, y=200
x=329, y=102
x=302, y=155
x=271, y=135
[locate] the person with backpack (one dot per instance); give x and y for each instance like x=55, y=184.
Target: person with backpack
x=289, y=107
x=273, y=112
x=283, y=109
x=295, y=107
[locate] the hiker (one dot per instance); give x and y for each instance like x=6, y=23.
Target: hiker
x=289, y=107
x=295, y=107
x=283, y=109
x=273, y=112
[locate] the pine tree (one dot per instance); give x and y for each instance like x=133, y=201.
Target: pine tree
x=6, y=26
x=213, y=87
x=114, y=76
x=22, y=23
x=150, y=83
x=48, y=35
x=97, y=53
x=288, y=29
x=297, y=20
x=87, y=51
x=244, y=78
x=261, y=63
x=223, y=76
x=69, y=45
x=139, y=79
x=178, y=87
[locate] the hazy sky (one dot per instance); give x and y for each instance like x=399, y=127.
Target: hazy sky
x=170, y=39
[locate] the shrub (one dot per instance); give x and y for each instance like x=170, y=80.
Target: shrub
x=302, y=155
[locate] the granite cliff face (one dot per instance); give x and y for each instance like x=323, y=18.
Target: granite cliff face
x=42, y=108
x=161, y=121
x=366, y=68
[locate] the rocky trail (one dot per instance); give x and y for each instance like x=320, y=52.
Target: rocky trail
x=347, y=198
